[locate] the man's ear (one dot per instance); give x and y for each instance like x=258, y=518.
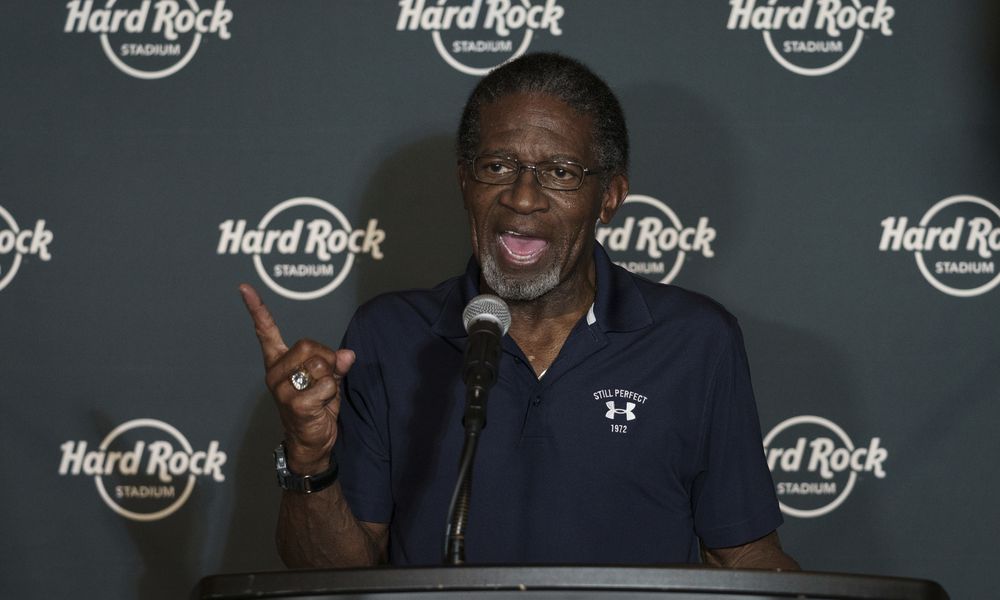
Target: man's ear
x=614, y=197
x=460, y=171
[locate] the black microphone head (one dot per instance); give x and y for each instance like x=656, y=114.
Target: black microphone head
x=488, y=307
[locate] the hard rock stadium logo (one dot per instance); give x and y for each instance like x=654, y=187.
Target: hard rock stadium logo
x=147, y=39
x=812, y=37
x=475, y=36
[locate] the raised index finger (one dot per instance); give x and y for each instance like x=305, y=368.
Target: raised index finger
x=271, y=344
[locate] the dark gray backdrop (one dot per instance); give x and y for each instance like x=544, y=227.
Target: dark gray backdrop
x=135, y=314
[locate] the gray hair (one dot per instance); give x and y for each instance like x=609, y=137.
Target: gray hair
x=566, y=79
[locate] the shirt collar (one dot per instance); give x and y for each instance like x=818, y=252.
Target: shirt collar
x=465, y=288
x=619, y=305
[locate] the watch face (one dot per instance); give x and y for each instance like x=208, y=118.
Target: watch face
x=280, y=462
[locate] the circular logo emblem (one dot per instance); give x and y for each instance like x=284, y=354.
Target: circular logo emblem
x=978, y=273
x=815, y=464
x=953, y=244
x=812, y=38
x=484, y=51
x=647, y=238
x=321, y=270
x=474, y=37
x=146, y=55
x=136, y=494
x=146, y=39
x=303, y=248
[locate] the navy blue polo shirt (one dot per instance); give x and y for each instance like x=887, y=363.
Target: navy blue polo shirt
x=640, y=438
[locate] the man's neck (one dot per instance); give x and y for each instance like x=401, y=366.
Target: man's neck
x=540, y=326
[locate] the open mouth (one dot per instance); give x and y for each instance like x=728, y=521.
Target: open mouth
x=522, y=249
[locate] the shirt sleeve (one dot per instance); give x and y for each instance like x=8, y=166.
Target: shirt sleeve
x=362, y=447
x=733, y=495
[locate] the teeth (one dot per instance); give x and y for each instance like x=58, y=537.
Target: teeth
x=519, y=234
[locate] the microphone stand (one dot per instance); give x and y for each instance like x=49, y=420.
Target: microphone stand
x=458, y=511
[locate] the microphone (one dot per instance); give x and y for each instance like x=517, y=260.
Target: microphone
x=487, y=320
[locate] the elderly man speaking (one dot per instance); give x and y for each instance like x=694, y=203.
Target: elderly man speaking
x=622, y=425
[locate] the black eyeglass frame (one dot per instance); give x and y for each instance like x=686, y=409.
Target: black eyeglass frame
x=521, y=166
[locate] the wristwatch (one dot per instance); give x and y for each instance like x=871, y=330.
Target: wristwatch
x=304, y=484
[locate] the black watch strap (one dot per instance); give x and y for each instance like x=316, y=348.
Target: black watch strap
x=304, y=484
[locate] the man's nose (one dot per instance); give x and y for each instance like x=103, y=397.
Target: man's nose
x=525, y=194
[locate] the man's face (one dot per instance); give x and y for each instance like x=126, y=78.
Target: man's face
x=527, y=239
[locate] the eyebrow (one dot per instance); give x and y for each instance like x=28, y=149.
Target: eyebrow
x=512, y=154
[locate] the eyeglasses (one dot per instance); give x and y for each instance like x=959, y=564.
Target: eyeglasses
x=565, y=176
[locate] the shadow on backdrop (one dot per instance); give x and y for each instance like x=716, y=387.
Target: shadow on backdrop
x=688, y=164
x=415, y=195
x=695, y=170
x=250, y=542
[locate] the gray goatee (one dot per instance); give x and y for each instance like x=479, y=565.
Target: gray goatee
x=510, y=288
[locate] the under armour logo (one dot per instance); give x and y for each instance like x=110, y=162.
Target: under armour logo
x=627, y=411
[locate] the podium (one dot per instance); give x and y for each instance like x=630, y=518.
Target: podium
x=561, y=583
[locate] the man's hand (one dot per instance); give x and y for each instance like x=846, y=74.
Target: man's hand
x=309, y=416
x=314, y=530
